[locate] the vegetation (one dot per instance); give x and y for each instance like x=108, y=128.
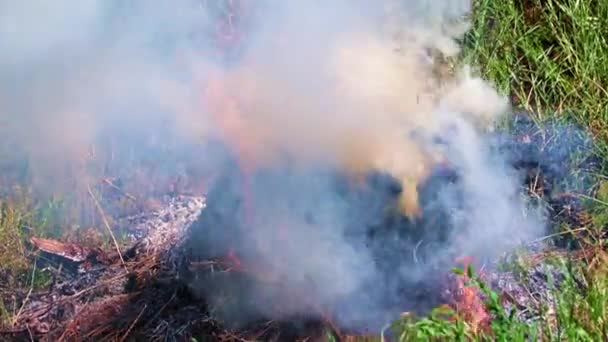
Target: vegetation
x=550, y=56
x=17, y=273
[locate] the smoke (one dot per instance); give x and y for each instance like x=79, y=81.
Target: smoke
x=316, y=89
x=78, y=77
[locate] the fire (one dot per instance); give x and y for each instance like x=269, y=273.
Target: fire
x=468, y=303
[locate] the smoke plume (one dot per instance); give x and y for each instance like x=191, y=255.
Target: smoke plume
x=315, y=88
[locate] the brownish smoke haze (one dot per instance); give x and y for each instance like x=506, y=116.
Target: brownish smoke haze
x=370, y=94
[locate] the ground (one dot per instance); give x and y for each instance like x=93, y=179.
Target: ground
x=551, y=58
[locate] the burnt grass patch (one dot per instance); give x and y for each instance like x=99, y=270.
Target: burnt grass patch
x=177, y=293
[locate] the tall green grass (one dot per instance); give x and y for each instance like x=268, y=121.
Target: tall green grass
x=550, y=56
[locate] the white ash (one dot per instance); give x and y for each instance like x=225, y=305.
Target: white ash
x=529, y=293
x=160, y=232
x=163, y=227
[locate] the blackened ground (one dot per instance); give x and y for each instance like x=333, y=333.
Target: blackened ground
x=562, y=154
x=559, y=163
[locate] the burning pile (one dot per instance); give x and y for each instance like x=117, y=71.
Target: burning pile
x=357, y=171
x=279, y=262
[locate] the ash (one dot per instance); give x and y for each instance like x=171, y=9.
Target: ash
x=528, y=293
x=562, y=153
x=168, y=224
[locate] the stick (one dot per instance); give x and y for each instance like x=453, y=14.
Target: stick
x=115, y=187
x=29, y=331
x=334, y=329
x=161, y=310
x=124, y=337
x=415, y=249
x=107, y=224
x=569, y=231
x=27, y=297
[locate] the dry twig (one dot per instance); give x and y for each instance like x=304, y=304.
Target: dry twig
x=27, y=297
x=107, y=225
x=117, y=188
x=133, y=324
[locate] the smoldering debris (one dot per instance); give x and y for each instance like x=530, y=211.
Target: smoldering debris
x=93, y=293
x=149, y=301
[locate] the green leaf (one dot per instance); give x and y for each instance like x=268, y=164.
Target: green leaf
x=457, y=271
x=493, y=296
x=470, y=270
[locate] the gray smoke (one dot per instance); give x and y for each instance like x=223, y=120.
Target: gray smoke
x=318, y=88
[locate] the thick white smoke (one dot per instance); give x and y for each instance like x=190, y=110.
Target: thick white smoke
x=351, y=85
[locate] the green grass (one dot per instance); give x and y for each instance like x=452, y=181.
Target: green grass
x=550, y=56
x=17, y=271
x=578, y=315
